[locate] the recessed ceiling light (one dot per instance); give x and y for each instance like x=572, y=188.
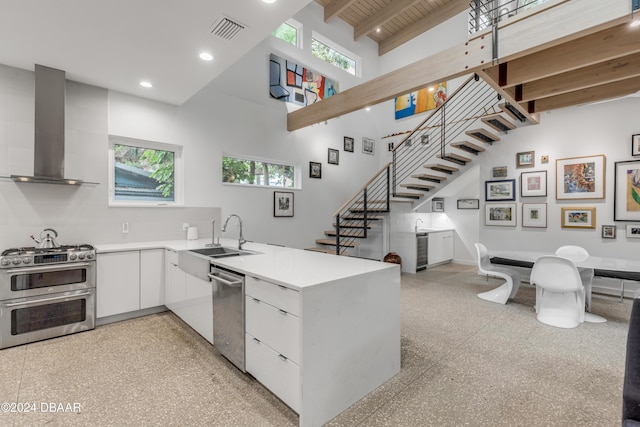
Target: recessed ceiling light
x=206, y=56
x=146, y=84
x=635, y=23
x=269, y=1
x=368, y=108
x=377, y=30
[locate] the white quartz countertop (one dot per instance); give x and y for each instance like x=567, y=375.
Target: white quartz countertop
x=295, y=268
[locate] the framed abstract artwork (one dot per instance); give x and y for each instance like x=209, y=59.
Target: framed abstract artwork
x=499, y=172
x=468, y=203
x=533, y=184
x=333, y=158
x=578, y=217
x=501, y=214
x=348, y=144
x=633, y=231
x=368, y=146
x=315, y=170
x=580, y=178
x=626, y=205
x=534, y=215
x=608, y=231
x=500, y=190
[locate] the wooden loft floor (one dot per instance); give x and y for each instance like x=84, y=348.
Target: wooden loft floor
x=560, y=54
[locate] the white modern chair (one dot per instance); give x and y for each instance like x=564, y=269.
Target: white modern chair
x=559, y=292
x=576, y=254
x=503, y=292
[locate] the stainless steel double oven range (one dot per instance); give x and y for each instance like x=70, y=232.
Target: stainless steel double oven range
x=46, y=292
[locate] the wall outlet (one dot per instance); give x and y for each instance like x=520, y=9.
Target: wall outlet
x=125, y=227
x=185, y=225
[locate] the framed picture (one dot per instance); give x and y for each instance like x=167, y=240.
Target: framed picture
x=315, y=170
x=608, y=231
x=580, y=178
x=534, y=215
x=526, y=159
x=626, y=200
x=502, y=214
x=533, y=184
x=437, y=204
x=368, y=146
x=348, y=144
x=391, y=145
x=500, y=190
x=333, y=157
x=635, y=144
x=578, y=217
x=633, y=231
x=499, y=172
x=468, y=203
x=282, y=203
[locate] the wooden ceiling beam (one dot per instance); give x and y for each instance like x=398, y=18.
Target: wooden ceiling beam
x=381, y=17
x=589, y=95
x=335, y=8
x=595, y=48
x=606, y=72
x=435, y=18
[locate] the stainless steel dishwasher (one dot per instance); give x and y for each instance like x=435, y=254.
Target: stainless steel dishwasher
x=422, y=251
x=228, y=314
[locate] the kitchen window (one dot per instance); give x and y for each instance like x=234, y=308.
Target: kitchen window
x=259, y=172
x=144, y=173
x=334, y=54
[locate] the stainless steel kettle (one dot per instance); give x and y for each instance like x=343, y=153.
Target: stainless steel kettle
x=48, y=240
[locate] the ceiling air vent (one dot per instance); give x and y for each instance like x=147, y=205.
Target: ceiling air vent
x=226, y=28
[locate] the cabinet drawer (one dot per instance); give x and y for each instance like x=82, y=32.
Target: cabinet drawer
x=274, y=371
x=276, y=328
x=276, y=295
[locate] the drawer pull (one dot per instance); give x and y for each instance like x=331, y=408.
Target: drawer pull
x=256, y=340
x=283, y=312
x=283, y=358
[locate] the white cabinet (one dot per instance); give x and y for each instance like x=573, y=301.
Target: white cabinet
x=189, y=297
x=273, y=338
x=118, y=283
x=151, y=278
x=129, y=281
x=440, y=247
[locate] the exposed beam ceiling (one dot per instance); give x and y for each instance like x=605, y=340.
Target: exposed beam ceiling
x=560, y=54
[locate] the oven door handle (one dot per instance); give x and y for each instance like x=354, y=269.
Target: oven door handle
x=48, y=268
x=40, y=301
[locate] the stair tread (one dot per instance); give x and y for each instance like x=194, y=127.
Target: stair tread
x=441, y=166
x=349, y=233
x=498, y=122
x=425, y=186
x=515, y=114
x=352, y=225
x=471, y=145
x=482, y=135
x=428, y=177
x=454, y=156
x=408, y=196
x=332, y=242
x=369, y=209
x=359, y=218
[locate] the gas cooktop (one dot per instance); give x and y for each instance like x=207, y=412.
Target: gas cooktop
x=17, y=257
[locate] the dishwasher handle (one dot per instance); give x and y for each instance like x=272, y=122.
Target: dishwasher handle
x=231, y=283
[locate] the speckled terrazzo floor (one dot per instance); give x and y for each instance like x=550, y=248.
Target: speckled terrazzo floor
x=465, y=361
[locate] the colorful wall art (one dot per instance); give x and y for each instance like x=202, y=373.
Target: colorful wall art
x=291, y=82
x=425, y=99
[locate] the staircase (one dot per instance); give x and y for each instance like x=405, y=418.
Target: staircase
x=443, y=146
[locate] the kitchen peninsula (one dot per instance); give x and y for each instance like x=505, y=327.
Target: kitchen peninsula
x=342, y=327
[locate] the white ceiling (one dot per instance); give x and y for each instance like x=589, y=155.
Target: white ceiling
x=117, y=43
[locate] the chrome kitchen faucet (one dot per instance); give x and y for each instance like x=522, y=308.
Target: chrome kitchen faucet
x=241, y=240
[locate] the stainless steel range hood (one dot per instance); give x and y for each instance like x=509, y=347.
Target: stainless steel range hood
x=48, y=164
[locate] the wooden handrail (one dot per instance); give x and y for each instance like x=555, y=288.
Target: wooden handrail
x=362, y=189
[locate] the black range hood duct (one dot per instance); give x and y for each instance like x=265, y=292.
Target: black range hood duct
x=48, y=164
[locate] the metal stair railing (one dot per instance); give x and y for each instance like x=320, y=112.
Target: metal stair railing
x=472, y=101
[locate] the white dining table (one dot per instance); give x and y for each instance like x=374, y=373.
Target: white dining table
x=620, y=268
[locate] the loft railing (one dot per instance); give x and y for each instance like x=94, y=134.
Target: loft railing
x=486, y=13
x=471, y=101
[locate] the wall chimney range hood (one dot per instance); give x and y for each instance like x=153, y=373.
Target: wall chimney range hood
x=48, y=164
